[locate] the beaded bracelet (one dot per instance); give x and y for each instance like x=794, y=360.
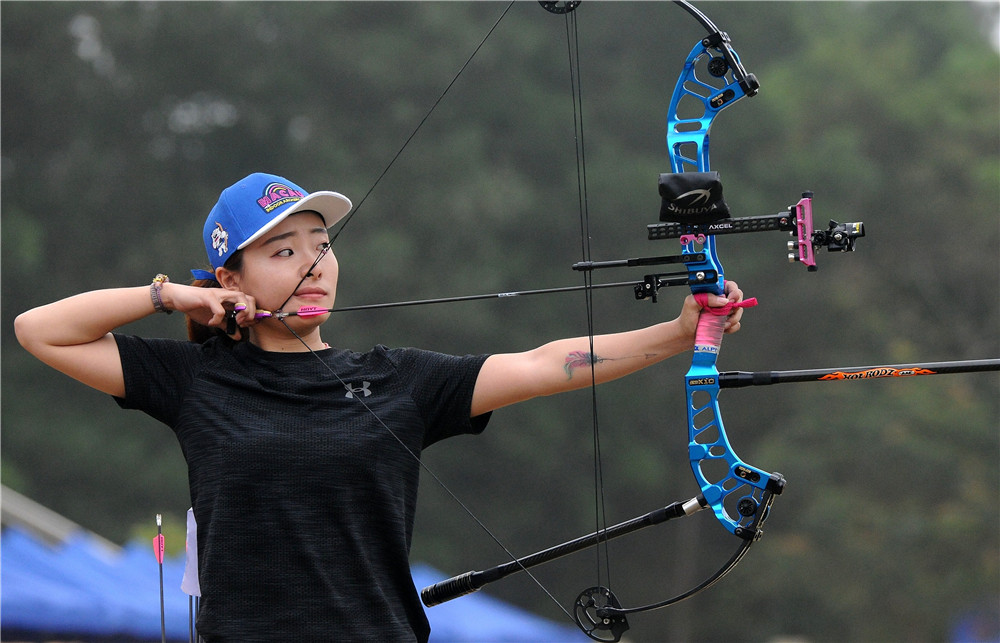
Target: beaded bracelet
x=154, y=293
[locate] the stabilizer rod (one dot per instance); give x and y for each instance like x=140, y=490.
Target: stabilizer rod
x=472, y=581
x=739, y=379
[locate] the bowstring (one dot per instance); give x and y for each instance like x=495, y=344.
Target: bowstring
x=576, y=90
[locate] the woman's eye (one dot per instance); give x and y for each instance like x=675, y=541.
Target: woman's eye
x=287, y=252
x=323, y=247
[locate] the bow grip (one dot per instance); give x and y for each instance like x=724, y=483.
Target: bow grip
x=712, y=321
x=708, y=337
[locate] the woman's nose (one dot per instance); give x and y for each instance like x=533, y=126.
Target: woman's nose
x=316, y=268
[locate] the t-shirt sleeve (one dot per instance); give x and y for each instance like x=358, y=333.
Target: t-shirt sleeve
x=442, y=386
x=158, y=374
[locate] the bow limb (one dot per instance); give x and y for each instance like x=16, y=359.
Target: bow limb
x=738, y=493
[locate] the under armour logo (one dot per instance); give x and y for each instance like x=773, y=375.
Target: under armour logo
x=354, y=390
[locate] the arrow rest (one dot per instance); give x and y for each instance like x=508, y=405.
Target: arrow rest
x=651, y=284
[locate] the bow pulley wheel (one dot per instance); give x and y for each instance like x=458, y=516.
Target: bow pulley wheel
x=718, y=67
x=559, y=6
x=591, y=613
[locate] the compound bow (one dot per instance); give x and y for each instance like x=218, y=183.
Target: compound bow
x=693, y=211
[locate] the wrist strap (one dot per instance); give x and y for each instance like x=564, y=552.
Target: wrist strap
x=154, y=293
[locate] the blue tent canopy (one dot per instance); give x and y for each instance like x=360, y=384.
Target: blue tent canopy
x=80, y=589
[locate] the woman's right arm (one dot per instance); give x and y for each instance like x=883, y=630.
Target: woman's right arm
x=73, y=335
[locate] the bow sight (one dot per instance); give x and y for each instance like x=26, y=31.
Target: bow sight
x=693, y=208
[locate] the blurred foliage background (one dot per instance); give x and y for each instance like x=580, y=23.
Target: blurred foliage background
x=121, y=122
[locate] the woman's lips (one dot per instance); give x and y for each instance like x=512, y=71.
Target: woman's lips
x=310, y=293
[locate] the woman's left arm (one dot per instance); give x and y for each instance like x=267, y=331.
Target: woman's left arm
x=566, y=364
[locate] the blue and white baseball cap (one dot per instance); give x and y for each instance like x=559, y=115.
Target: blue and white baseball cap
x=249, y=208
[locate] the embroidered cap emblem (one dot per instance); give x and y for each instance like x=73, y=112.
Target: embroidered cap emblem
x=277, y=195
x=220, y=239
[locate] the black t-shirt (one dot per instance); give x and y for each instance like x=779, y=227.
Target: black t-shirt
x=303, y=476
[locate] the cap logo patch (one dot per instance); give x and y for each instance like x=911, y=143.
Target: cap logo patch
x=220, y=239
x=277, y=195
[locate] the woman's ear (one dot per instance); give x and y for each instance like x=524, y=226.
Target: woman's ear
x=228, y=279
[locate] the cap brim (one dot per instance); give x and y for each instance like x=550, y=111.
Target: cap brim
x=332, y=206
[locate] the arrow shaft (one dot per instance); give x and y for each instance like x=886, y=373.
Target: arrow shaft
x=498, y=295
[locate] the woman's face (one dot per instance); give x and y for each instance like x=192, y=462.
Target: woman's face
x=274, y=264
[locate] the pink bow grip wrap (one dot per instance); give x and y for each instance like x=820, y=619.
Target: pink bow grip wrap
x=712, y=322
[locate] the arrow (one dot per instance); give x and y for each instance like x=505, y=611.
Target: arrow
x=158, y=546
x=309, y=311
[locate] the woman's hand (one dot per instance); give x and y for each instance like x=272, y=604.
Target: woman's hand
x=733, y=295
x=210, y=306
x=691, y=310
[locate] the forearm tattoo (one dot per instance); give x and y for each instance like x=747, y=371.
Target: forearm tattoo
x=585, y=359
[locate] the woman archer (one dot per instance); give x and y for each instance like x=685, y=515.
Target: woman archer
x=303, y=458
